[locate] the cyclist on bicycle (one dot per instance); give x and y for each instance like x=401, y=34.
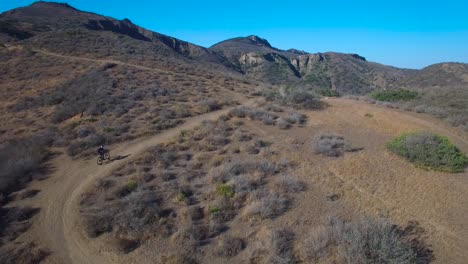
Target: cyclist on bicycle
x=101, y=151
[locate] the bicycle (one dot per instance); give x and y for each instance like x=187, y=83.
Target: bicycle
x=102, y=158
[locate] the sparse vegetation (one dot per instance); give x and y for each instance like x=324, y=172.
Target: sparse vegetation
x=220, y=192
x=13, y=222
x=430, y=151
x=20, y=160
x=24, y=253
x=297, y=118
x=196, y=189
x=269, y=118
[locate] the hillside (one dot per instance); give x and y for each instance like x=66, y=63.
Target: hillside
x=58, y=26
x=345, y=73
x=447, y=74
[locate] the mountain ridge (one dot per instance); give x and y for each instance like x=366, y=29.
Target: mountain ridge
x=252, y=56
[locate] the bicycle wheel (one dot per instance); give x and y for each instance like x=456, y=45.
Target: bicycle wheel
x=107, y=155
x=99, y=160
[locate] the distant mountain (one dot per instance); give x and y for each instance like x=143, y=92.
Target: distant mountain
x=63, y=29
x=346, y=73
x=441, y=74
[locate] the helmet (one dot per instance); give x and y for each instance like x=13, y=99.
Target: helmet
x=102, y=146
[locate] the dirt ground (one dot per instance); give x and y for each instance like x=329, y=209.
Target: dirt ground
x=369, y=182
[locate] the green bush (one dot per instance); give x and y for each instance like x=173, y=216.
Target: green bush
x=109, y=129
x=429, y=150
x=394, y=95
x=225, y=190
x=329, y=93
x=132, y=185
x=214, y=210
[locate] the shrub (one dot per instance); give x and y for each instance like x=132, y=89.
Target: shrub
x=262, y=143
x=214, y=210
x=210, y=105
x=108, y=129
x=366, y=240
x=80, y=145
x=240, y=112
x=429, y=150
x=225, y=190
x=302, y=98
x=331, y=145
x=270, y=205
x=180, y=197
x=316, y=243
x=294, y=97
x=329, y=93
x=242, y=136
x=14, y=221
x=232, y=169
x=126, y=245
x=230, y=246
x=394, y=95
x=132, y=185
x=281, y=247
x=135, y=214
x=289, y=184
x=283, y=124
x=25, y=253
x=19, y=160
x=297, y=118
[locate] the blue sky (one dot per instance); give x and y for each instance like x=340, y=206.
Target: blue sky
x=411, y=34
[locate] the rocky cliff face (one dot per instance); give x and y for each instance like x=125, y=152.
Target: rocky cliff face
x=303, y=63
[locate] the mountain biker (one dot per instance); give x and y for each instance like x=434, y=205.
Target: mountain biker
x=101, y=151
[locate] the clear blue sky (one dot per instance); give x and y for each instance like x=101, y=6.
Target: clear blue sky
x=401, y=33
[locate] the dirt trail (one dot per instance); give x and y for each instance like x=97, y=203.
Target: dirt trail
x=57, y=227
x=70, y=57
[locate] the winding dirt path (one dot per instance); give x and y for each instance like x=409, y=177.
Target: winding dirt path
x=118, y=62
x=57, y=227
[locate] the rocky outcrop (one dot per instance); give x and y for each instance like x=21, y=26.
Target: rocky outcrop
x=124, y=27
x=251, y=58
x=256, y=40
x=303, y=62
x=296, y=51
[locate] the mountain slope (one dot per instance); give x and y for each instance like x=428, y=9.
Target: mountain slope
x=440, y=74
x=60, y=65
x=346, y=73
x=60, y=27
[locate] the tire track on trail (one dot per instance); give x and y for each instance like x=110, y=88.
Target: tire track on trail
x=58, y=226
